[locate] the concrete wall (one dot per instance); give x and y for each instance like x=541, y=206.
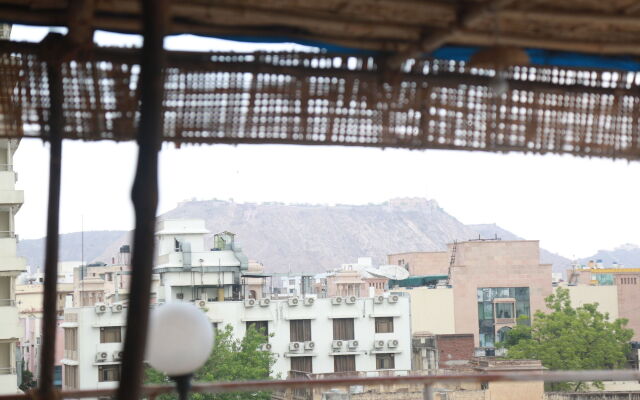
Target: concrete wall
x=605, y=296
x=525, y=390
x=485, y=264
x=431, y=310
x=422, y=263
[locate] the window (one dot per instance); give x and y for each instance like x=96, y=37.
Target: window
x=70, y=376
x=344, y=363
x=301, y=364
x=385, y=361
x=260, y=326
x=108, y=373
x=111, y=334
x=300, y=331
x=292, y=281
x=343, y=329
x=180, y=296
x=384, y=324
x=71, y=338
x=504, y=310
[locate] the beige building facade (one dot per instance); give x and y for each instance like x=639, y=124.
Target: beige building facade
x=431, y=310
x=492, y=284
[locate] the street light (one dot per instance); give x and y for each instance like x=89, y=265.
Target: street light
x=180, y=341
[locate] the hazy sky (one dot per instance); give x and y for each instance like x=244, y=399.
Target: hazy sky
x=573, y=206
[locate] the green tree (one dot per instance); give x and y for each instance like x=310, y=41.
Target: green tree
x=568, y=338
x=232, y=359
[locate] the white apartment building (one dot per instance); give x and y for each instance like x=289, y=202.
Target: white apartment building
x=189, y=271
x=319, y=336
x=10, y=267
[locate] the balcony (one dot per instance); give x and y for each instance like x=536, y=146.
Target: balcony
x=8, y=380
x=11, y=197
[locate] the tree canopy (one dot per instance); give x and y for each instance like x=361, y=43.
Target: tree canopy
x=232, y=359
x=568, y=338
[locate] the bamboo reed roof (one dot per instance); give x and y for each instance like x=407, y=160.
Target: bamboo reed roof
x=377, y=88
x=403, y=26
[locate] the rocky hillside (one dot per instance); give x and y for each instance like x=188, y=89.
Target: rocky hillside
x=628, y=255
x=311, y=238
x=95, y=243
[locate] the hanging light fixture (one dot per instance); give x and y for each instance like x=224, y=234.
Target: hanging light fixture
x=180, y=341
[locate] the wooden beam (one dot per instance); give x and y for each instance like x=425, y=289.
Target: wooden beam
x=435, y=40
x=144, y=195
x=484, y=39
x=564, y=17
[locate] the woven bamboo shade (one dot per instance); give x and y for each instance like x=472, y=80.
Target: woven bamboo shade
x=332, y=100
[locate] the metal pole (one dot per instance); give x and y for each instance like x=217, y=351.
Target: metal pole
x=144, y=195
x=49, y=303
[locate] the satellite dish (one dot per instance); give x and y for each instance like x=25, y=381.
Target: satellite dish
x=389, y=271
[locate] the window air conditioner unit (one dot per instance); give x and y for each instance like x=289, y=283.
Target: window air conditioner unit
x=309, y=345
x=378, y=344
x=265, y=347
x=116, y=307
x=101, y=308
x=309, y=301
x=249, y=302
x=264, y=302
x=294, y=346
x=117, y=355
x=378, y=299
x=201, y=303
x=350, y=300
x=352, y=344
x=392, y=343
x=336, y=300
x=293, y=301
x=101, y=356
x=336, y=344
x=394, y=298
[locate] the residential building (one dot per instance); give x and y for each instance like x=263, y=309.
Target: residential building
x=29, y=296
x=309, y=336
x=10, y=267
x=189, y=271
x=354, y=279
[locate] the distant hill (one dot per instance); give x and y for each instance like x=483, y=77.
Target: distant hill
x=303, y=237
x=627, y=255
x=95, y=243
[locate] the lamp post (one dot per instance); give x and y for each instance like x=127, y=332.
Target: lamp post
x=180, y=341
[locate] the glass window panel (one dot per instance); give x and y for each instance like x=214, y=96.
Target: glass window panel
x=522, y=293
x=486, y=294
x=479, y=294
x=480, y=311
x=504, y=310
x=503, y=293
x=512, y=292
x=488, y=311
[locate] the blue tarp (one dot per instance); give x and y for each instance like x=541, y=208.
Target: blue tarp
x=463, y=53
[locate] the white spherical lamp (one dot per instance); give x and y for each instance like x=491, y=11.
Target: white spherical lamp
x=179, y=342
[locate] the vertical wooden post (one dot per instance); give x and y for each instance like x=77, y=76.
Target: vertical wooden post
x=145, y=195
x=49, y=318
